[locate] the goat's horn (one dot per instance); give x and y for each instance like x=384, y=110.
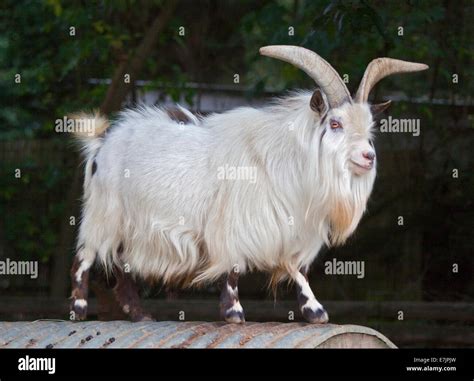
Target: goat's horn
x=316, y=67
x=381, y=68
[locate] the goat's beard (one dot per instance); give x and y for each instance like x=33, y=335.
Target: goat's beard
x=338, y=198
x=347, y=207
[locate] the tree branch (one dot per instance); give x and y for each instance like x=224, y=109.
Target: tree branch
x=118, y=89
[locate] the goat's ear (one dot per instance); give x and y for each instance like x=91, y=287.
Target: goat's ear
x=319, y=103
x=379, y=108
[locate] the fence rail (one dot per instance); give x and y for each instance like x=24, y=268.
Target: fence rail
x=258, y=309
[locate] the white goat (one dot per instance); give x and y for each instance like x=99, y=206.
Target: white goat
x=170, y=201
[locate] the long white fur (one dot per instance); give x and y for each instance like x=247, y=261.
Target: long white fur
x=156, y=189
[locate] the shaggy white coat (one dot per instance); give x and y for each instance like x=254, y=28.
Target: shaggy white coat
x=157, y=190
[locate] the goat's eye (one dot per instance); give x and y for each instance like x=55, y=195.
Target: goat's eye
x=335, y=124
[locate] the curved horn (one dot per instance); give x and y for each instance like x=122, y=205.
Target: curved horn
x=316, y=67
x=381, y=68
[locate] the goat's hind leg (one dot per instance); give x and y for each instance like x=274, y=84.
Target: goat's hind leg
x=127, y=296
x=230, y=308
x=126, y=293
x=82, y=263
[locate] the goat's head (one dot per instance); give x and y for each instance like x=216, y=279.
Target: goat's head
x=345, y=122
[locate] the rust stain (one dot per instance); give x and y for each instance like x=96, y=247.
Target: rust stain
x=288, y=329
x=31, y=343
x=5, y=343
x=225, y=331
x=199, y=331
x=326, y=327
x=251, y=332
x=184, y=326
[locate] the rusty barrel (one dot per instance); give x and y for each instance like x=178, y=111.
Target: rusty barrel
x=172, y=334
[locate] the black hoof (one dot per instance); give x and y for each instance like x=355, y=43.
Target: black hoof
x=234, y=316
x=318, y=316
x=79, y=309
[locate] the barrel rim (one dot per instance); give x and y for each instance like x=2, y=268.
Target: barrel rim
x=315, y=342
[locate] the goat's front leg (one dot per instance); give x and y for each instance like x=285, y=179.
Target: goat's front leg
x=310, y=308
x=230, y=308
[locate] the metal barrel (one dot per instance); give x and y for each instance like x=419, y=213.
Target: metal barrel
x=172, y=334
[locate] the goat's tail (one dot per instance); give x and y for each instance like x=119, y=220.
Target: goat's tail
x=89, y=125
x=89, y=129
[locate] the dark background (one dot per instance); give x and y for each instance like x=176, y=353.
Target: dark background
x=408, y=268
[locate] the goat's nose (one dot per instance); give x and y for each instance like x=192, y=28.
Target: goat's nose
x=369, y=155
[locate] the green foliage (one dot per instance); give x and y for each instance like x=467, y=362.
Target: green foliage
x=56, y=67
x=34, y=205
x=351, y=33
x=56, y=47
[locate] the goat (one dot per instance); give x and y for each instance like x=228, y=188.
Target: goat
x=174, y=202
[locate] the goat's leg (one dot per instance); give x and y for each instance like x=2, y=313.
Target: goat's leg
x=80, y=282
x=230, y=308
x=127, y=296
x=310, y=308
